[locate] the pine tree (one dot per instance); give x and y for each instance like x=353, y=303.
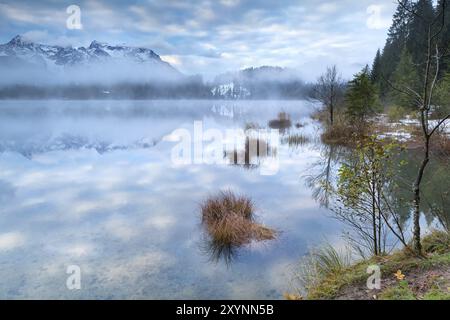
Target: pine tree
x=396, y=40
x=361, y=97
x=376, y=76
x=405, y=76
x=444, y=41
x=418, y=31
x=443, y=97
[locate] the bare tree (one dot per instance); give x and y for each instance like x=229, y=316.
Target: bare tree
x=433, y=58
x=328, y=90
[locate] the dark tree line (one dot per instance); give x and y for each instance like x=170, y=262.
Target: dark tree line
x=403, y=58
x=415, y=73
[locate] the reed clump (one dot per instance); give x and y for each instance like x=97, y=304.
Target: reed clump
x=283, y=121
x=229, y=220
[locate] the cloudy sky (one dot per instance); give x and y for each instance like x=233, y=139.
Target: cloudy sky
x=215, y=36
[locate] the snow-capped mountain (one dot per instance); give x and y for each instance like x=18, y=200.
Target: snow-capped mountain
x=58, y=55
x=19, y=53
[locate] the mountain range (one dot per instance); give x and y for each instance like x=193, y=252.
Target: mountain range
x=50, y=56
x=115, y=71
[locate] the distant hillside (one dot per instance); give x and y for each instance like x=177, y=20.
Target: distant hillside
x=259, y=83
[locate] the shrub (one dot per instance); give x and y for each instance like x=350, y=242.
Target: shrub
x=339, y=134
x=436, y=242
x=396, y=113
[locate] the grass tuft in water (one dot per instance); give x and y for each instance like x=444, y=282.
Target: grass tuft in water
x=229, y=220
x=295, y=140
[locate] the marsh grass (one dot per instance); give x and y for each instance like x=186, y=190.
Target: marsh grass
x=295, y=140
x=229, y=220
x=319, y=264
x=282, y=122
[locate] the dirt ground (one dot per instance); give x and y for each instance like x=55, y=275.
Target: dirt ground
x=420, y=282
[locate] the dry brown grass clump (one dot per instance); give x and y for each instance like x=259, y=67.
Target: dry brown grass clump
x=295, y=140
x=283, y=121
x=229, y=220
x=339, y=134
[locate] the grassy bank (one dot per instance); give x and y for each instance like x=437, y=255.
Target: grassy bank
x=403, y=275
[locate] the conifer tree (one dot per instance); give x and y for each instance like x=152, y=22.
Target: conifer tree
x=396, y=40
x=375, y=76
x=361, y=97
x=405, y=76
x=418, y=30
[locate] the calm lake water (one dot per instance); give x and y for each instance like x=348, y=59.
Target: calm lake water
x=93, y=184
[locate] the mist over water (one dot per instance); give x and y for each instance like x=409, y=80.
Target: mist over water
x=106, y=73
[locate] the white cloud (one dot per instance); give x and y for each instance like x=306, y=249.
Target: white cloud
x=328, y=8
x=376, y=19
x=229, y=3
x=43, y=36
x=173, y=60
x=161, y=222
x=11, y=240
x=32, y=15
x=211, y=37
x=119, y=227
x=205, y=13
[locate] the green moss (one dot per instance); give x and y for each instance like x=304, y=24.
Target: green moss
x=437, y=294
x=401, y=291
x=333, y=283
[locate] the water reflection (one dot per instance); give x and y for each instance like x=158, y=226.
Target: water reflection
x=435, y=188
x=217, y=251
x=435, y=191
x=251, y=154
x=296, y=140
x=98, y=193
x=323, y=182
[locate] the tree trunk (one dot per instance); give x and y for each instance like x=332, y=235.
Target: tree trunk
x=331, y=114
x=380, y=249
x=374, y=209
x=416, y=218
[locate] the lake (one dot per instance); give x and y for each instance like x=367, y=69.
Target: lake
x=93, y=184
